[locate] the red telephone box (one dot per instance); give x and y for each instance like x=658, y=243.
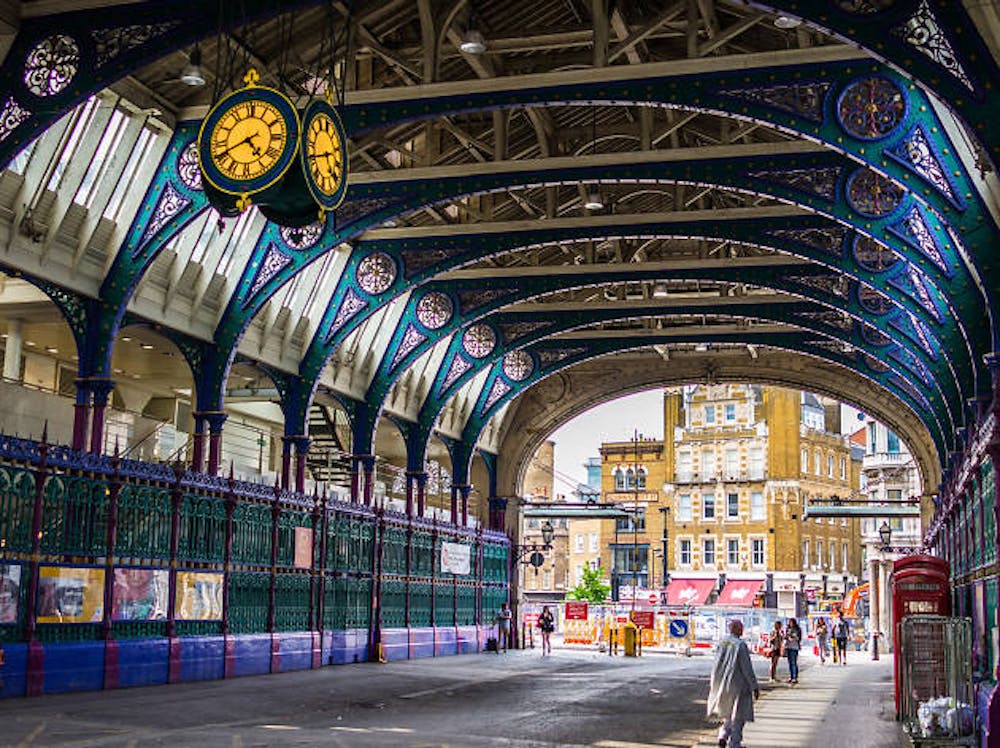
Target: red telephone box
x=920, y=585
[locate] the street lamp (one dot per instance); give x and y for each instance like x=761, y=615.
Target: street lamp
x=885, y=535
x=537, y=559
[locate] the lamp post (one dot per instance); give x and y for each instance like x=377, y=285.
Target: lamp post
x=665, y=577
x=635, y=523
x=875, y=586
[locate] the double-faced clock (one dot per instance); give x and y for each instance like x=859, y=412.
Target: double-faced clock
x=324, y=154
x=248, y=141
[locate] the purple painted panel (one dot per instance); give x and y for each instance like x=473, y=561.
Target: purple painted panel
x=421, y=642
x=14, y=670
x=295, y=651
x=445, y=641
x=467, y=640
x=396, y=644
x=253, y=654
x=349, y=646
x=142, y=662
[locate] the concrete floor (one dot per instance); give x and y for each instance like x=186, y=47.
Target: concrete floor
x=574, y=698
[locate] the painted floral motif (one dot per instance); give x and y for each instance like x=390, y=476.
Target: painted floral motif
x=872, y=255
x=518, y=365
x=434, y=310
x=411, y=339
x=804, y=100
x=829, y=240
x=273, y=263
x=923, y=32
x=376, y=273
x=11, y=117
x=914, y=284
x=109, y=43
x=187, y=167
x=51, y=65
x=915, y=230
x=498, y=390
x=479, y=340
x=349, y=307
x=302, y=237
x=819, y=182
x=170, y=204
x=548, y=357
x=916, y=152
x=459, y=365
x=871, y=108
x=873, y=301
x=871, y=194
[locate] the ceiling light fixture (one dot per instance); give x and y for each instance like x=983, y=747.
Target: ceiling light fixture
x=594, y=201
x=50, y=349
x=473, y=42
x=701, y=347
x=146, y=346
x=660, y=290
x=787, y=22
x=192, y=75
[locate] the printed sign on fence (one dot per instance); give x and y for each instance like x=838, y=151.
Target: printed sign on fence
x=303, y=547
x=10, y=592
x=455, y=558
x=199, y=596
x=643, y=618
x=141, y=594
x=70, y=594
x=576, y=611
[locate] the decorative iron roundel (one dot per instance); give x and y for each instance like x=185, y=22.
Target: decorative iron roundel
x=871, y=108
x=872, y=255
x=873, y=301
x=434, y=310
x=51, y=65
x=479, y=340
x=187, y=167
x=376, y=273
x=871, y=194
x=302, y=238
x=517, y=365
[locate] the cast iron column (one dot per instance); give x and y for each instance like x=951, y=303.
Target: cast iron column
x=102, y=391
x=215, y=423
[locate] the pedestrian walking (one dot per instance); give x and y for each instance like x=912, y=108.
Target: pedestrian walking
x=793, y=641
x=822, y=634
x=841, y=631
x=547, y=623
x=733, y=687
x=777, y=642
x=503, y=621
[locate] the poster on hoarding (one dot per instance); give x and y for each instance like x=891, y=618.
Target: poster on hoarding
x=70, y=594
x=576, y=612
x=643, y=618
x=303, y=547
x=10, y=592
x=199, y=596
x=140, y=595
x=455, y=558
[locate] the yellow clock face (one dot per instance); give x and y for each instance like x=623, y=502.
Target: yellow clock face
x=325, y=154
x=248, y=140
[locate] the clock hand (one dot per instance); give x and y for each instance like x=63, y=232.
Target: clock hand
x=247, y=139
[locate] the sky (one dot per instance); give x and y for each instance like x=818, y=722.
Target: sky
x=617, y=420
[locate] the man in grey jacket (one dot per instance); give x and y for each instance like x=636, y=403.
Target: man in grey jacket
x=733, y=687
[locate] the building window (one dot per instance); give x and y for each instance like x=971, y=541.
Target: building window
x=707, y=464
x=843, y=468
x=708, y=505
x=757, y=511
x=685, y=559
x=732, y=462
x=730, y=412
x=708, y=552
x=635, y=521
x=756, y=463
x=619, y=479
x=593, y=542
x=894, y=494
x=629, y=479
x=684, y=507
x=709, y=414
x=829, y=466
x=732, y=505
x=817, y=460
x=758, y=551
x=805, y=460
x=683, y=466
x=843, y=550
x=892, y=443
x=833, y=555
x=819, y=553
x=732, y=552
x=548, y=579
x=579, y=543
x=641, y=478
x=805, y=553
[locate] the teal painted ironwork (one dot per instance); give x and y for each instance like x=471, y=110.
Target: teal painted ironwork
x=291, y=601
x=202, y=529
x=17, y=491
x=144, y=514
x=249, y=598
x=252, y=534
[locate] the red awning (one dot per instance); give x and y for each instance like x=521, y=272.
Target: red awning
x=739, y=592
x=689, y=591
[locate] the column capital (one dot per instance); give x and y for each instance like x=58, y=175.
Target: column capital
x=214, y=418
x=100, y=387
x=367, y=461
x=498, y=503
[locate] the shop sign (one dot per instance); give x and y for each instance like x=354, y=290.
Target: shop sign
x=643, y=618
x=576, y=611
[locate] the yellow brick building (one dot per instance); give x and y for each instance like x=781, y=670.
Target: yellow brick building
x=721, y=499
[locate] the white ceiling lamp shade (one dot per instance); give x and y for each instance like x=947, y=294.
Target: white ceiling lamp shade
x=660, y=290
x=594, y=201
x=192, y=75
x=473, y=42
x=787, y=22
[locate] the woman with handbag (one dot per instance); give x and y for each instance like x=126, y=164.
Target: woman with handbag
x=777, y=637
x=547, y=623
x=822, y=635
x=793, y=642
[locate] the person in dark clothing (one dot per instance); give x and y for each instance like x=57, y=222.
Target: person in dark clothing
x=841, y=631
x=793, y=642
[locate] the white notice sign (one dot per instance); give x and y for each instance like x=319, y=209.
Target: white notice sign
x=455, y=558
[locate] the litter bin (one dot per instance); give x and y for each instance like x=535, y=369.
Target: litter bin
x=631, y=633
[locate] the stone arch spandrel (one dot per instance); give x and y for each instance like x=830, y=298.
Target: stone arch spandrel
x=557, y=399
